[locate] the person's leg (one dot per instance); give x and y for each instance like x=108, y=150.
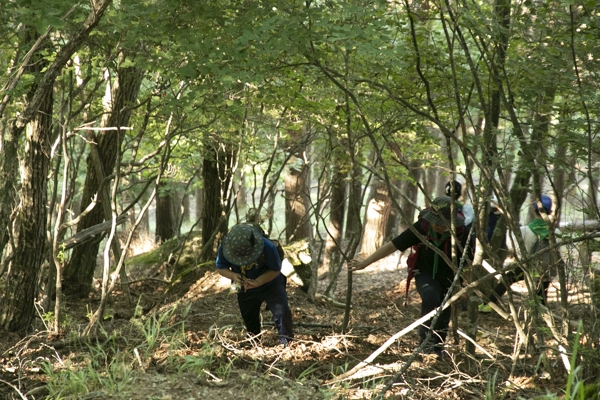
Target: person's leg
x=511, y=277
x=432, y=293
x=277, y=303
x=249, y=304
x=542, y=292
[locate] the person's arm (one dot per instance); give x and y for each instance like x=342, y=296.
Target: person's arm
x=229, y=274
x=264, y=278
x=273, y=267
x=384, y=251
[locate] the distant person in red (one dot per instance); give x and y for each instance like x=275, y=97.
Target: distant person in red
x=433, y=276
x=251, y=261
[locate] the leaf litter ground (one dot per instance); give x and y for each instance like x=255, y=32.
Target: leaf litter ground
x=223, y=365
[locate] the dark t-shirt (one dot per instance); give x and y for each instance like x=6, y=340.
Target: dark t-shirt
x=426, y=258
x=269, y=260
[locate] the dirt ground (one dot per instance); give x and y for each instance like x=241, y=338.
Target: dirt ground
x=305, y=369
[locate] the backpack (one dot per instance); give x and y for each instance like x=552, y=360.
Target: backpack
x=414, y=250
x=278, y=246
x=276, y=242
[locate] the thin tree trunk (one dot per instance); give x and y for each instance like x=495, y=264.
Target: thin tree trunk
x=492, y=118
x=332, y=258
x=79, y=271
x=166, y=222
x=297, y=202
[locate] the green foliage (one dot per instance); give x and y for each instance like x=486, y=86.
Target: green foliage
x=157, y=329
x=105, y=370
x=205, y=361
x=491, y=387
x=358, y=76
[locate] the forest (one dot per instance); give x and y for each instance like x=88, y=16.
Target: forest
x=135, y=134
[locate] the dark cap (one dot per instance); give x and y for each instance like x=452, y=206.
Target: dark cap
x=546, y=203
x=243, y=245
x=457, y=189
x=439, y=212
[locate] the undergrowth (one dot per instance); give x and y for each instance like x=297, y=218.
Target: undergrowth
x=111, y=364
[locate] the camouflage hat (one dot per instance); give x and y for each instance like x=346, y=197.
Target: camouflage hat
x=243, y=244
x=439, y=212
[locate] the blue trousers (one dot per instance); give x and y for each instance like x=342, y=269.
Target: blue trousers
x=275, y=296
x=432, y=293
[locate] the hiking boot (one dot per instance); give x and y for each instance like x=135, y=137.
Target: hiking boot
x=485, y=308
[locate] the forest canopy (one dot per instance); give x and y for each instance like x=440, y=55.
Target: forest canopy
x=128, y=126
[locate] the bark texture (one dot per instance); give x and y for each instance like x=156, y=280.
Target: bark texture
x=166, y=224
x=217, y=174
x=79, y=271
x=377, y=212
x=297, y=203
x=29, y=230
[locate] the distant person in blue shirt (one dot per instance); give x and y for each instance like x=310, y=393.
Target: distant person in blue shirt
x=252, y=263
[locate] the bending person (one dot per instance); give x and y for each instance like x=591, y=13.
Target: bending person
x=433, y=276
x=251, y=261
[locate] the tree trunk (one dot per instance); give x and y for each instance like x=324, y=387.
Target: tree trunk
x=271, y=210
x=79, y=271
x=411, y=193
x=29, y=236
x=9, y=172
x=353, y=220
x=490, y=150
x=297, y=202
x=144, y=226
x=185, y=207
x=332, y=257
x=166, y=223
x=376, y=215
x=199, y=199
x=394, y=215
x=217, y=175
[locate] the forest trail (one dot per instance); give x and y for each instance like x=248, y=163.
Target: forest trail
x=201, y=307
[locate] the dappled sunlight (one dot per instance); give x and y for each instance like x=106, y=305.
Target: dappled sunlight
x=211, y=283
x=188, y=341
x=143, y=243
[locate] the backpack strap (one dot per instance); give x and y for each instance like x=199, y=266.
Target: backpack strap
x=411, y=261
x=412, y=257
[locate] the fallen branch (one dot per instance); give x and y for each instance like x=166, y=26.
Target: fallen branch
x=467, y=337
x=88, y=234
x=16, y=389
x=325, y=299
x=330, y=326
x=384, y=346
x=409, y=328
